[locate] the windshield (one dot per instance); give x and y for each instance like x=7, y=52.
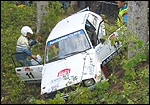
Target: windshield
x=65, y=46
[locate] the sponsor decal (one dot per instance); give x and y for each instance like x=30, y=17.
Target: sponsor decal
x=65, y=37
x=110, y=57
x=56, y=80
x=53, y=88
x=63, y=72
x=73, y=78
x=91, y=67
x=99, y=49
x=27, y=69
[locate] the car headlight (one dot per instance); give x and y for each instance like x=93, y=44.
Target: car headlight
x=89, y=82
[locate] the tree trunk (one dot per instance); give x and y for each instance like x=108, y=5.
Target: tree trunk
x=138, y=22
x=40, y=12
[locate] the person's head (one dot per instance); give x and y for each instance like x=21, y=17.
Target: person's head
x=26, y=31
x=120, y=3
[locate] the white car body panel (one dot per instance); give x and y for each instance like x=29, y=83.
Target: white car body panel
x=66, y=26
x=80, y=66
x=32, y=73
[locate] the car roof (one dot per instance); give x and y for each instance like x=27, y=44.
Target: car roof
x=68, y=25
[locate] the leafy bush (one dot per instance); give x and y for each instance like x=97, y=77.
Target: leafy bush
x=12, y=20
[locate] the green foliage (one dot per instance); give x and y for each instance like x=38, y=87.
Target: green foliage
x=135, y=81
x=132, y=88
x=57, y=100
x=12, y=20
x=133, y=84
x=13, y=16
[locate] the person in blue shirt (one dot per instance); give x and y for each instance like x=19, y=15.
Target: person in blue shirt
x=123, y=13
x=23, y=44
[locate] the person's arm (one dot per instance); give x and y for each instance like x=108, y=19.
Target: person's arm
x=33, y=42
x=29, y=53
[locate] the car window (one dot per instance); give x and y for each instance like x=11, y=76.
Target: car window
x=21, y=59
x=74, y=42
x=99, y=28
x=91, y=32
x=93, y=20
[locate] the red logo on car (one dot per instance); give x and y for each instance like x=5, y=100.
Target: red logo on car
x=63, y=72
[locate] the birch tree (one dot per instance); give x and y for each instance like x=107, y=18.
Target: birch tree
x=138, y=22
x=40, y=12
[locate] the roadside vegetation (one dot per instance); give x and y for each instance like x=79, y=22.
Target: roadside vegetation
x=128, y=83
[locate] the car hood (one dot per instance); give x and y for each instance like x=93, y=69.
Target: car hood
x=59, y=74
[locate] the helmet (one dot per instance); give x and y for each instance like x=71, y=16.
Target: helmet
x=25, y=30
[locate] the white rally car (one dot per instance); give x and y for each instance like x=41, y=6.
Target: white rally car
x=75, y=53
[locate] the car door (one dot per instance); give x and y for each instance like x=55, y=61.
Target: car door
x=27, y=73
x=102, y=48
